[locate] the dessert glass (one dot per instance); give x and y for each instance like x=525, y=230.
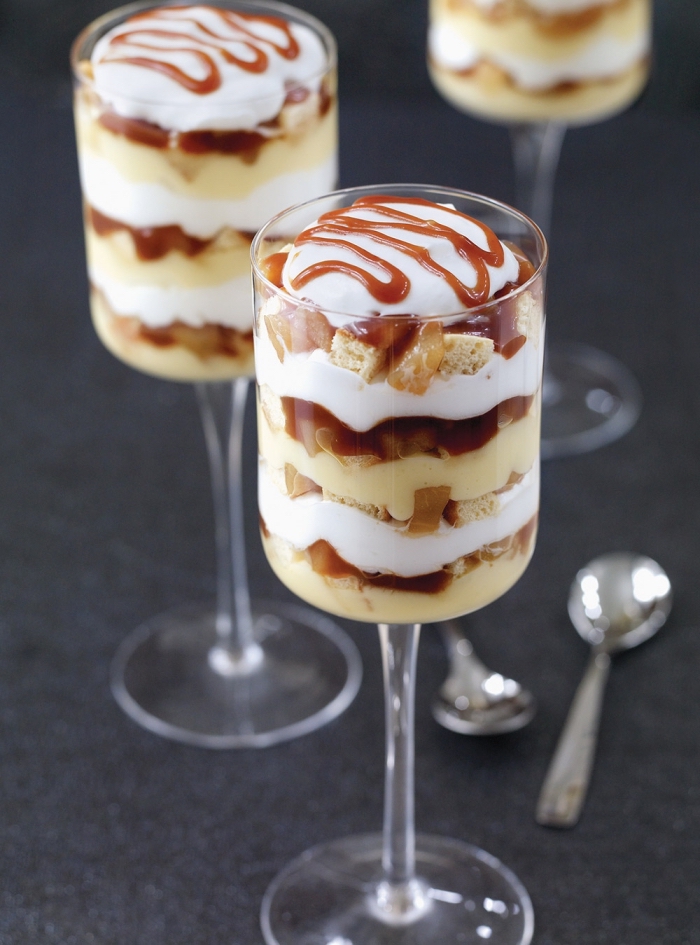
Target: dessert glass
x=174, y=189
x=398, y=484
x=539, y=66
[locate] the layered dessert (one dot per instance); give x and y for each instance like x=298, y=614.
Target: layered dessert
x=398, y=355
x=537, y=60
x=195, y=124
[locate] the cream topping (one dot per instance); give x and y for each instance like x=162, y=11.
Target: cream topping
x=200, y=67
x=392, y=255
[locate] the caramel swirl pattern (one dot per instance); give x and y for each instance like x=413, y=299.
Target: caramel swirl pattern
x=238, y=30
x=330, y=229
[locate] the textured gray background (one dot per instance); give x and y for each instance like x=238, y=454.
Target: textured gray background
x=112, y=836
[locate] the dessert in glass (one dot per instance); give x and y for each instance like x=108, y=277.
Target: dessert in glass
x=194, y=125
x=538, y=66
x=398, y=350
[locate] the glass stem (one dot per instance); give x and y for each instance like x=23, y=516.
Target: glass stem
x=401, y=897
x=536, y=149
x=222, y=407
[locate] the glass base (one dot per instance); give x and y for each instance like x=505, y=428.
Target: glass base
x=334, y=895
x=171, y=677
x=588, y=399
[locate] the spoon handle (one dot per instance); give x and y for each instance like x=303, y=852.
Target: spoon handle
x=564, y=789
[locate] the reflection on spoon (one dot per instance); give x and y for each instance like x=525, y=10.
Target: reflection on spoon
x=473, y=700
x=616, y=602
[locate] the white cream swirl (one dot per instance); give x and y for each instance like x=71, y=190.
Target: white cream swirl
x=392, y=255
x=198, y=67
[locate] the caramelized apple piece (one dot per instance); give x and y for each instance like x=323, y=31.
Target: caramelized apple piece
x=310, y=330
x=325, y=560
x=290, y=472
x=429, y=506
x=298, y=484
x=383, y=333
x=497, y=548
x=513, y=480
x=306, y=435
x=417, y=366
x=422, y=440
x=324, y=438
x=302, y=330
x=280, y=334
x=207, y=341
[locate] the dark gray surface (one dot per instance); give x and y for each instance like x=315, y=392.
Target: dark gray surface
x=110, y=835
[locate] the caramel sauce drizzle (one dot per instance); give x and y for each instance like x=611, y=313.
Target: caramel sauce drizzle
x=317, y=429
x=150, y=242
x=155, y=242
x=331, y=227
x=200, y=45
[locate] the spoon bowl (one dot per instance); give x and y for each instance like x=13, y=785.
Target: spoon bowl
x=619, y=600
x=474, y=700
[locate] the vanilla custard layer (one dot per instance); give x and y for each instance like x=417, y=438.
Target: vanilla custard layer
x=392, y=485
x=174, y=362
x=487, y=92
x=463, y=595
x=209, y=176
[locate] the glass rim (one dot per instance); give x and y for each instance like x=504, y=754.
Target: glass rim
x=99, y=26
x=387, y=189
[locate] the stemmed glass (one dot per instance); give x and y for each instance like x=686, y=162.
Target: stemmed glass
x=540, y=66
x=175, y=182
x=398, y=484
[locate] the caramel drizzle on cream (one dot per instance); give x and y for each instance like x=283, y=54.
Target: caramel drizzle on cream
x=331, y=227
x=200, y=45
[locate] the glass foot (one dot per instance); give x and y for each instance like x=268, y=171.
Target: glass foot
x=334, y=895
x=170, y=676
x=588, y=399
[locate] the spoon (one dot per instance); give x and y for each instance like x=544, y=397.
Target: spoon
x=473, y=700
x=616, y=602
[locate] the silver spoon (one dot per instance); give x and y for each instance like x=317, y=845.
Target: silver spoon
x=615, y=602
x=473, y=700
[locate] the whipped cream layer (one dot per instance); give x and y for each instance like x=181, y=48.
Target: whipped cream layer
x=374, y=245
x=360, y=405
x=379, y=547
x=197, y=67
x=229, y=304
x=150, y=204
x=605, y=56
